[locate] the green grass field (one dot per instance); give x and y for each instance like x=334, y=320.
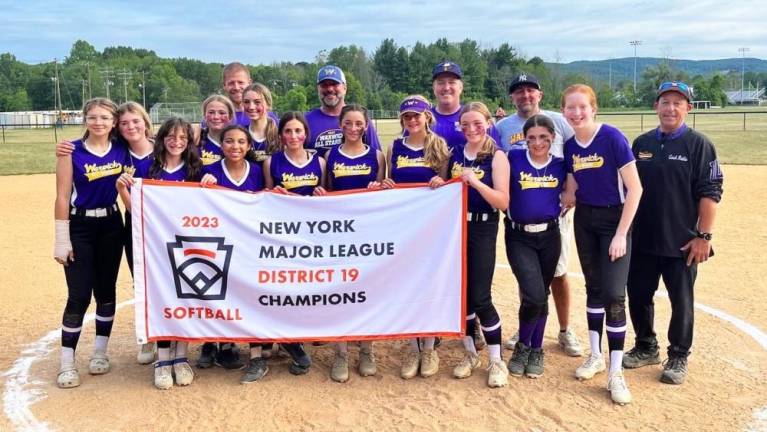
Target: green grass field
x=31, y=151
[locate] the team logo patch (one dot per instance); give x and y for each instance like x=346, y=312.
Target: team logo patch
x=200, y=266
x=644, y=155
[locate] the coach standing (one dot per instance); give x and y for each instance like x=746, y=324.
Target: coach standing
x=673, y=228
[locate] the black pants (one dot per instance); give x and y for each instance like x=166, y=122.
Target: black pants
x=480, y=266
x=128, y=239
x=533, y=258
x=644, y=276
x=605, y=279
x=97, y=244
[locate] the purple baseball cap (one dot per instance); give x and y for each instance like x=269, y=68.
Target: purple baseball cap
x=413, y=104
x=330, y=72
x=446, y=67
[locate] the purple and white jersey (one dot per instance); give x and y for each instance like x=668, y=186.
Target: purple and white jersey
x=138, y=164
x=94, y=175
x=408, y=164
x=259, y=147
x=178, y=173
x=534, y=189
x=483, y=169
x=252, y=181
x=299, y=179
x=325, y=132
x=242, y=119
x=210, y=150
x=595, y=166
x=351, y=172
x=448, y=126
x=511, y=127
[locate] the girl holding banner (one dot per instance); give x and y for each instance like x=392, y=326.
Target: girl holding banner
x=353, y=165
x=294, y=169
x=484, y=167
x=174, y=159
x=219, y=113
x=420, y=157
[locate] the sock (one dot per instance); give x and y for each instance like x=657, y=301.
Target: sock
x=526, y=329
x=428, y=343
x=468, y=338
x=414, y=345
x=70, y=337
x=492, y=331
x=163, y=354
x=494, y=351
x=181, y=348
x=468, y=344
x=100, y=344
x=537, y=337
x=67, y=358
x=595, y=315
x=616, y=361
x=366, y=346
x=105, y=317
x=616, y=336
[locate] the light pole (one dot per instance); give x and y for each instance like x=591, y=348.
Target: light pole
x=742, y=51
x=635, y=44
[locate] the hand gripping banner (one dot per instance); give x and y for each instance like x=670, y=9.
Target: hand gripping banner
x=220, y=265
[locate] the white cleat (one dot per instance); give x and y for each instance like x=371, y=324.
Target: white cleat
x=592, y=366
x=619, y=391
x=569, y=343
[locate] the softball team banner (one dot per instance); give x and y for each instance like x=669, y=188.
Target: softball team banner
x=216, y=264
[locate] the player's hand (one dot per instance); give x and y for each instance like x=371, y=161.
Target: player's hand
x=62, y=247
x=125, y=181
x=698, y=250
x=469, y=177
x=436, y=182
x=64, y=148
x=617, y=247
x=568, y=200
x=280, y=190
x=208, y=180
x=319, y=191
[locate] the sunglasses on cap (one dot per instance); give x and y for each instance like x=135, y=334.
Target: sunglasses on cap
x=669, y=85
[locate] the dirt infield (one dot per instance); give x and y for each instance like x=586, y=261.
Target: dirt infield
x=726, y=390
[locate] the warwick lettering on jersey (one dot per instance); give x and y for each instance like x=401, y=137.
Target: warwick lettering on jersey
x=457, y=170
x=292, y=181
x=587, y=162
x=408, y=162
x=529, y=181
x=340, y=169
x=95, y=171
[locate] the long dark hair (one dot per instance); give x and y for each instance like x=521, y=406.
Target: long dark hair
x=539, y=120
x=190, y=157
x=288, y=116
x=355, y=108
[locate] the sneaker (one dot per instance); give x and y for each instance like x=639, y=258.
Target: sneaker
x=182, y=371
x=534, y=366
x=229, y=358
x=466, y=366
x=146, y=353
x=674, y=370
x=410, y=365
x=479, y=338
x=367, y=366
x=163, y=374
x=637, y=357
x=207, y=355
x=429, y=363
x=497, y=374
x=300, y=360
x=519, y=359
x=99, y=364
x=257, y=369
x=68, y=378
x=592, y=366
x=569, y=343
x=619, y=391
x=512, y=341
x=269, y=350
x=339, y=372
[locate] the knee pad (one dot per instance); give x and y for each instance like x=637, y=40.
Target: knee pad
x=72, y=320
x=529, y=311
x=77, y=306
x=106, y=309
x=615, y=312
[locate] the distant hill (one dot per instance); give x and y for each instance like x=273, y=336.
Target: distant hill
x=623, y=68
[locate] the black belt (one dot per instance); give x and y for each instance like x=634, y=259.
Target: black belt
x=481, y=217
x=533, y=228
x=97, y=212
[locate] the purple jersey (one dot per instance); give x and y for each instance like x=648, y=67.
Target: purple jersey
x=252, y=181
x=483, y=169
x=138, y=164
x=448, y=126
x=299, y=179
x=178, y=173
x=210, y=150
x=259, y=148
x=94, y=175
x=408, y=164
x=534, y=190
x=595, y=166
x=351, y=172
x=243, y=120
x=325, y=132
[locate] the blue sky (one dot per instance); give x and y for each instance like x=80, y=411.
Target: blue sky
x=262, y=32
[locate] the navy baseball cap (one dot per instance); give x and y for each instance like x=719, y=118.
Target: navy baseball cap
x=446, y=67
x=675, y=86
x=333, y=73
x=524, y=79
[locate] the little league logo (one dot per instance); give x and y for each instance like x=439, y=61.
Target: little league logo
x=200, y=266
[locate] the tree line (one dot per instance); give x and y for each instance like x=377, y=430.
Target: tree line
x=379, y=80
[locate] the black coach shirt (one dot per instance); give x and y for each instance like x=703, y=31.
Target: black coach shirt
x=676, y=171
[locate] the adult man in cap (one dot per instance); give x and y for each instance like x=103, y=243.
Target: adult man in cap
x=323, y=122
x=447, y=84
x=682, y=185
x=526, y=94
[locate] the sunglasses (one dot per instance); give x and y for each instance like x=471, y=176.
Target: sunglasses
x=674, y=85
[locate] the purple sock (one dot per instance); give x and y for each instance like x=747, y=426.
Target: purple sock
x=540, y=326
x=526, y=330
x=616, y=334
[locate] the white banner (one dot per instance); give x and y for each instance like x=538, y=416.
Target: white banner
x=216, y=264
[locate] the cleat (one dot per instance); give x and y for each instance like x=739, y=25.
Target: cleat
x=498, y=375
x=466, y=366
x=568, y=341
x=638, y=357
x=256, y=369
x=229, y=358
x=512, y=341
x=183, y=372
x=367, y=366
x=519, y=359
x=410, y=365
x=146, y=353
x=99, y=364
x=592, y=366
x=68, y=378
x=674, y=370
x=163, y=374
x=301, y=362
x=208, y=354
x=339, y=372
x=429, y=363
x=619, y=391
x=534, y=366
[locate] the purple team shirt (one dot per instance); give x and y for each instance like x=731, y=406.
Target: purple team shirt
x=253, y=181
x=94, y=175
x=595, y=167
x=448, y=126
x=482, y=169
x=534, y=191
x=210, y=151
x=408, y=164
x=299, y=179
x=325, y=132
x=176, y=174
x=352, y=172
x=138, y=164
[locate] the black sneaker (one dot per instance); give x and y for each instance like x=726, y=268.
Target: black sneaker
x=301, y=362
x=229, y=357
x=257, y=369
x=674, y=370
x=519, y=359
x=638, y=357
x=207, y=355
x=534, y=366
